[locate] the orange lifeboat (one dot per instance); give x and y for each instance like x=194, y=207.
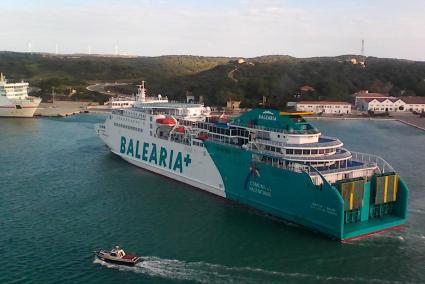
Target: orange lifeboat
x=168, y=121
x=180, y=129
x=203, y=136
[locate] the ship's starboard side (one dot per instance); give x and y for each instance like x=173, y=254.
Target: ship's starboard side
x=273, y=162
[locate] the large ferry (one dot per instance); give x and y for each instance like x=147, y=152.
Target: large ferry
x=14, y=99
x=270, y=160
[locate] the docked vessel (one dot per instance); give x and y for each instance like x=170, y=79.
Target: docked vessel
x=118, y=256
x=269, y=160
x=14, y=99
x=129, y=102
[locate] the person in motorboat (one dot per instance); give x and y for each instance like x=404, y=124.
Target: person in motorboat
x=117, y=255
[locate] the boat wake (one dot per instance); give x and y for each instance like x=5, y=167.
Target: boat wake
x=203, y=272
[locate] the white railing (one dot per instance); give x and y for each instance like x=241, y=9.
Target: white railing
x=280, y=130
x=383, y=165
x=335, y=143
x=270, y=142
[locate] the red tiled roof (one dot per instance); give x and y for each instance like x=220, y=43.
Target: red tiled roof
x=370, y=95
x=323, y=103
x=382, y=99
x=413, y=100
x=307, y=88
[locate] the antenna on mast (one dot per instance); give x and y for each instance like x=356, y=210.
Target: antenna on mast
x=362, y=55
x=56, y=49
x=141, y=92
x=30, y=48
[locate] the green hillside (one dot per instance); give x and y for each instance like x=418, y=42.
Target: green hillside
x=218, y=79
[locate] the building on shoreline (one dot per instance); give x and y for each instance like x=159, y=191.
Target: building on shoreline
x=325, y=107
x=414, y=103
x=365, y=101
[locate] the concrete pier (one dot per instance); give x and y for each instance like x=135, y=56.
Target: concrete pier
x=62, y=108
x=407, y=118
x=410, y=119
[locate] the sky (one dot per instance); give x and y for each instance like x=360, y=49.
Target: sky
x=239, y=28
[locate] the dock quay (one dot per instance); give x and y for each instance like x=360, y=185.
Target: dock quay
x=407, y=118
x=62, y=108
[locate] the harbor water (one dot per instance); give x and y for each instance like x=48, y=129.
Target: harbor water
x=63, y=195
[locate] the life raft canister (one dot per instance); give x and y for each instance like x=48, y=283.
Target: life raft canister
x=169, y=121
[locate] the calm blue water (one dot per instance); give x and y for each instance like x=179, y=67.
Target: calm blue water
x=62, y=195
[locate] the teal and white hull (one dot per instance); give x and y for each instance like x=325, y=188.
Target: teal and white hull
x=190, y=165
x=293, y=196
x=345, y=202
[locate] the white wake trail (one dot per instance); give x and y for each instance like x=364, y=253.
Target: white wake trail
x=203, y=272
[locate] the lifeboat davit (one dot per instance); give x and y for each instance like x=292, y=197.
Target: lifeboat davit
x=168, y=121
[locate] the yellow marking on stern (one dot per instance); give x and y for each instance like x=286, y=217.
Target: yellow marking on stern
x=385, y=189
x=395, y=187
x=351, y=195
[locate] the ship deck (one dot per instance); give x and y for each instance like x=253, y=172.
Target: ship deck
x=351, y=166
x=324, y=142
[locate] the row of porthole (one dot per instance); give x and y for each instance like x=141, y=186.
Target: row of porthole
x=128, y=127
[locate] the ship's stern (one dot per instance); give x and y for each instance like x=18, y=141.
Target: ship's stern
x=373, y=206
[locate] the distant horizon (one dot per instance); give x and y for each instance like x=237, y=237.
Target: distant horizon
x=196, y=55
x=234, y=28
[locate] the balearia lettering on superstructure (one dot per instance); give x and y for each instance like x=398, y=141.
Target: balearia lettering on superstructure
x=267, y=115
x=149, y=152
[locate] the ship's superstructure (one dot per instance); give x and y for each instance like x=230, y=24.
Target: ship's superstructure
x=14, y=99
x=273, y=161
x=140, y=98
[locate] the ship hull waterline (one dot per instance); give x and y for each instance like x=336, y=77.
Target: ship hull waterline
x=277, y=214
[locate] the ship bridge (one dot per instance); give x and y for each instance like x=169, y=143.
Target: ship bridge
x=276, y=121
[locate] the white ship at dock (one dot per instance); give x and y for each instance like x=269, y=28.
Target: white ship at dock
x=14, y=99
x=122, y=102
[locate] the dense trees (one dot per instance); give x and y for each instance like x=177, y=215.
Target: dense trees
x=278, y=78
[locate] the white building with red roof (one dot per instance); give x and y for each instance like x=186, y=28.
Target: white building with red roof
x=328, y=107
x=378, y=102
x=414, y=103
x=363, y=98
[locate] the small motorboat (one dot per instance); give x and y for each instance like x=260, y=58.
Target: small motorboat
x=117, y=256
